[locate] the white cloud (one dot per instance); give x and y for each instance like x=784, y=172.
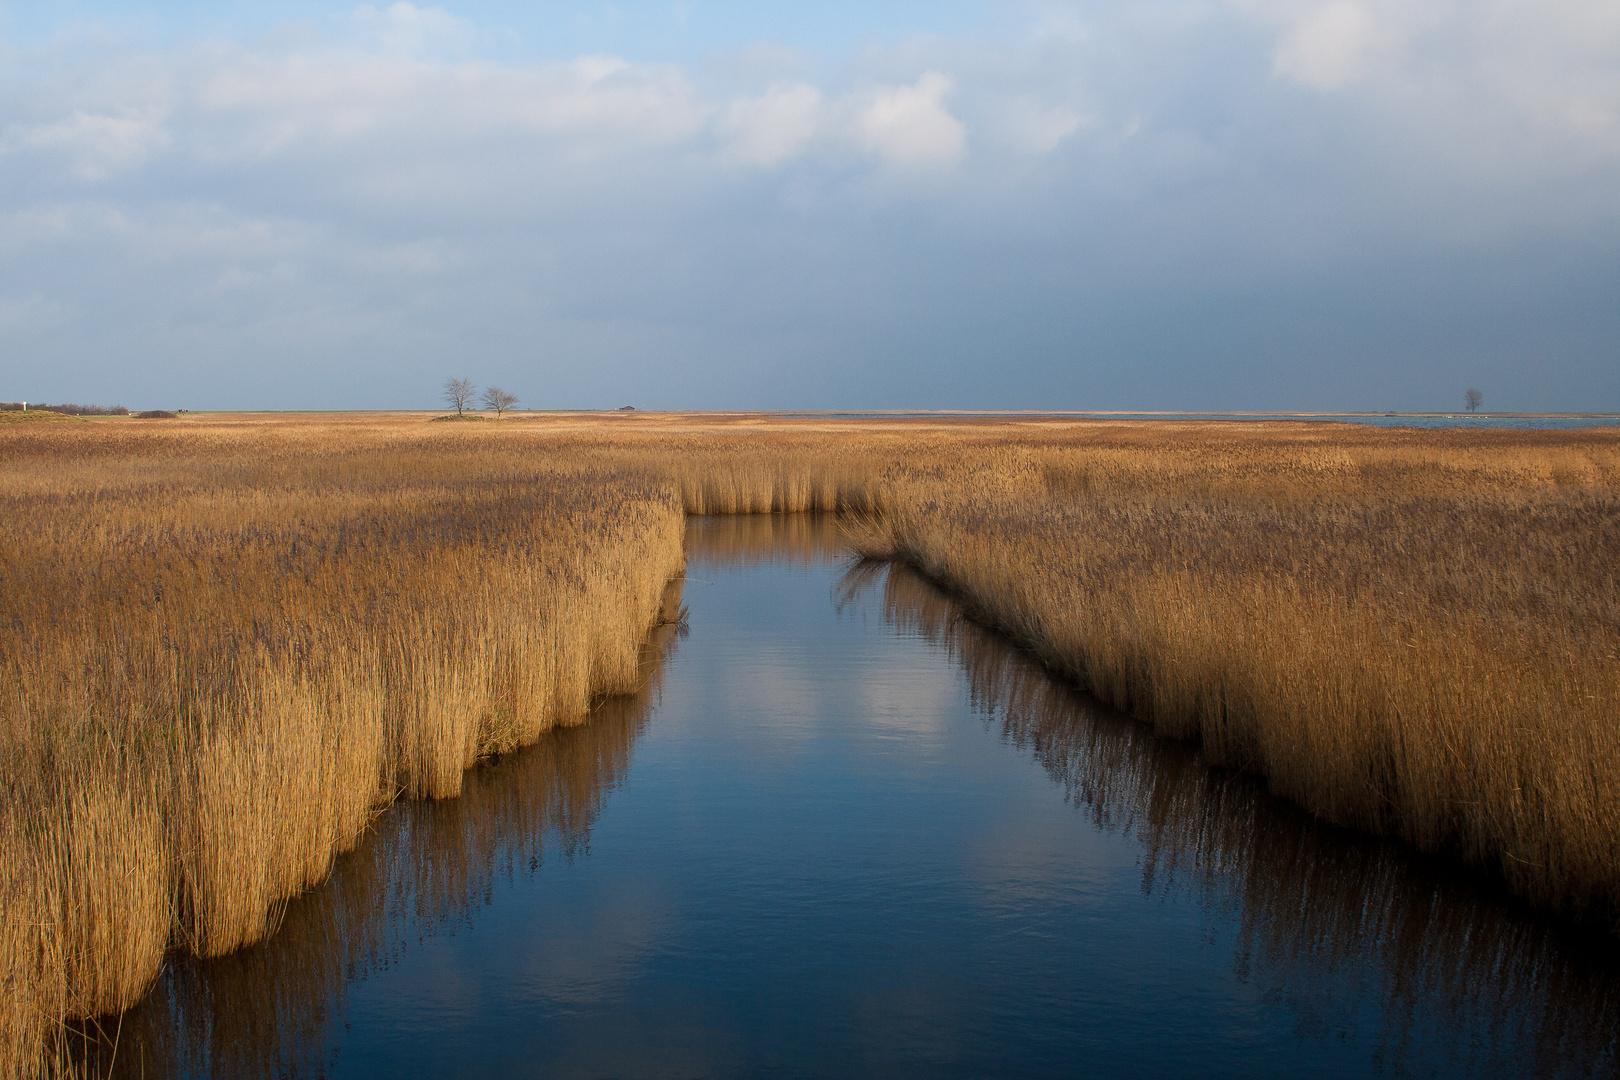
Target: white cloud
x=906, y=124
x=1334, y=44
x=595, y=97
x=369, y=172
x=1442, y=93
x=96, y=144
x=1329, y=47
x=775, y=126
x=1499, y=69
x=1037, y=128
x=47, y=224
x=264, y=105
x=414, y=31
x=910, y=125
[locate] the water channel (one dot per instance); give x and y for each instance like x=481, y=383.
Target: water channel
x=843, y=831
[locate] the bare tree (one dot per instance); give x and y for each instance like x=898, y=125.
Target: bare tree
x=499, y=400
x=1473, y=399
x=459, y=393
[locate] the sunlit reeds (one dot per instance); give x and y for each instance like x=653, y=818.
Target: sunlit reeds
x=1316, y=907
x=225, y=650
x=268, y=1010
x=1415, y=633
x=224, y=644
x=1410, y=634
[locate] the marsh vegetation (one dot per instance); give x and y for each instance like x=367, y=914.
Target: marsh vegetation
x=605, y=880
x=226, y=649
x=228, y=643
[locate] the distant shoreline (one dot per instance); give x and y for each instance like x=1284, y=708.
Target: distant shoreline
x=1124, y=414
x=1167, y=414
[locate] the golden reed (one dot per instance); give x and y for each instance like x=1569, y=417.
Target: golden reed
x=425, y=866
x=225, y=648
x=1315, y=910
x=227, y=643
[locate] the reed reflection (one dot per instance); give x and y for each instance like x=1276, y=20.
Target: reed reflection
x=425, y=866
x=1327, y=918
x=742, y=540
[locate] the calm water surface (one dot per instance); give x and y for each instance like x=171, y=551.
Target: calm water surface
x=843, y=832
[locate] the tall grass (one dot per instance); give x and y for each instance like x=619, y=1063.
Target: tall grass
x=1413, y=633
x=225, y=649
x=1316, y=909
x=224, y=644
x=1410, y=635
x=426, y=865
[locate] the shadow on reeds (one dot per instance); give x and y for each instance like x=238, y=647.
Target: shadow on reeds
x=426, y=866
x=1325, y=916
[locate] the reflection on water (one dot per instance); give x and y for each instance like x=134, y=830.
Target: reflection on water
x=424, y=868
x=745, y=540
x=1315, y=905
x=825, y=865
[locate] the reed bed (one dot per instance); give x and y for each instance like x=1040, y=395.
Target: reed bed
x=1413, y=633
x=1318, y=908
x=225, y=643
x=426, y=866
x=226, y=648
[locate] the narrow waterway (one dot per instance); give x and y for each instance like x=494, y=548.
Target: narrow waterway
x=843, y=832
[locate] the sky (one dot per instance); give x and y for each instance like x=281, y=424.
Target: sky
x=1111, y=204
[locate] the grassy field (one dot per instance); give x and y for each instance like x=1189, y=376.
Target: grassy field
x=228, y=641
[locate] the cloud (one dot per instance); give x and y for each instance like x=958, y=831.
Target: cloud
x=262, y=105
x=1517, y=64
x=910, y=125
x=414, y=31
x=906, y=125
x=1333, y=44
x=1038, y=128
x=1330, y=46
x=772, y=127
x=95, y=145
x=764, y=226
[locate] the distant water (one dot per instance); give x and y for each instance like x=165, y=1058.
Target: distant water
x=844, y=832
x=1457, y=420
x=1424, y=420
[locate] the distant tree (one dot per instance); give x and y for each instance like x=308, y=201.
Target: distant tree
x=459, y=393
x=1473, y=399
x=499, y=400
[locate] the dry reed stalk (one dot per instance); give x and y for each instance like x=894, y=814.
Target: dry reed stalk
x=268, y=1010
x=1414, y=633
x=255, y=631
x=224, y=650
x=1316, y=908
x=1430, y=652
